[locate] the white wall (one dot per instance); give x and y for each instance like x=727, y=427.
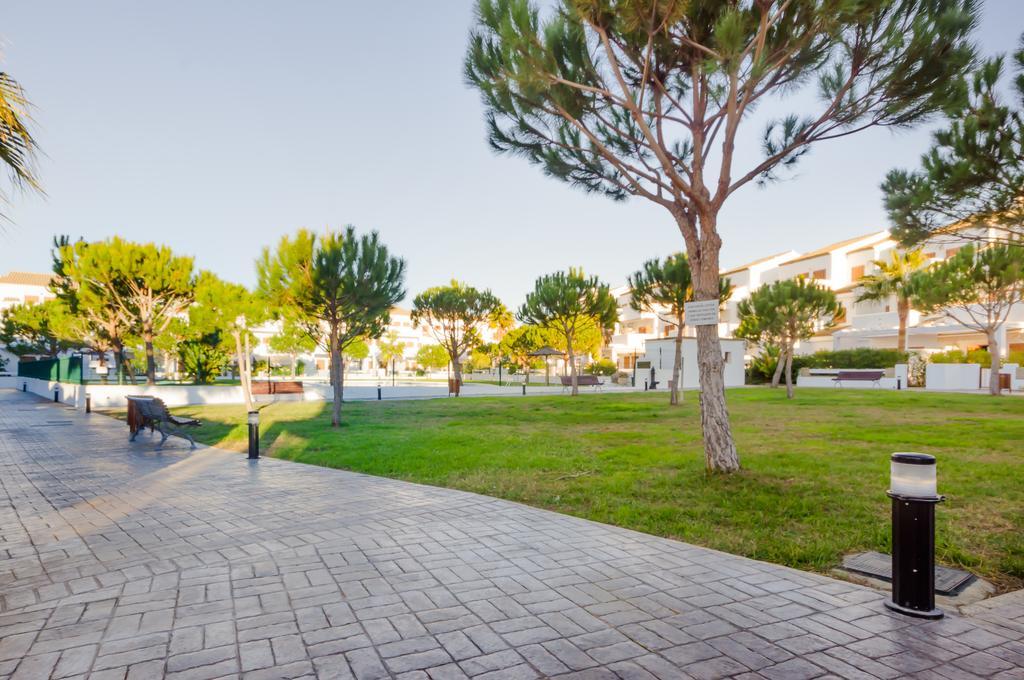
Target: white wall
x=952, y=376
x=661, y=353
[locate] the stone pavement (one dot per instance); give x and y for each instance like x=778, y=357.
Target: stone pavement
x=118, y=561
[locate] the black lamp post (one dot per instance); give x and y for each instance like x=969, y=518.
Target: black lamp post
x=254, y=435
x=914, y=495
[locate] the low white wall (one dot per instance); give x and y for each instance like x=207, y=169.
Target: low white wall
x=826, y=381
x=952, y=376
x=660, y=352
x=114, y=396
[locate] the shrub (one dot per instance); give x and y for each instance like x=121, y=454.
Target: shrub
x=602, y=367
x=958, y=356
x=861, y=357
x=1016, y=357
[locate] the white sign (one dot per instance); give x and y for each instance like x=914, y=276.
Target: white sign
x=701, y=313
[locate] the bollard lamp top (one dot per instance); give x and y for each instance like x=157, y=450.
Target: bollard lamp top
x=254, y=417
x=913, y=475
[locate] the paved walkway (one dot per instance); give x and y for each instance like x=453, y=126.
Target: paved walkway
x=117, y=561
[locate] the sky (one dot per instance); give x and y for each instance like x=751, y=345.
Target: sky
x=218, y=127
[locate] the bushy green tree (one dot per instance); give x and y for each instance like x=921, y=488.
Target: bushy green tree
x=431, y=357
x=341, y=285
x=973, y=174
x=226, y=313
x=389, y=350
x=454, y=315
x=147, y=286
x=663, y=288
x=570, y=303
x=292, y=340
x=893, y=280
x=976, y=288
x=104, y=326
x=648, y=98
x=46, y=328
x=784, y=313
x=516, y=345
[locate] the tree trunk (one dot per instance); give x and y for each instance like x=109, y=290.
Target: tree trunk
x=789, y=372
x=719, y=448
x=993, y=373
x=574, y=379
x=335, y=352
x=242, y=358
x=457, y=373
x=147, y=336
x=779, y=365
x=902, y=311
x=677, y=366
x=294, y=359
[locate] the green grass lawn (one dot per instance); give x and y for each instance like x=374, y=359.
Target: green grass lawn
x=812, y=487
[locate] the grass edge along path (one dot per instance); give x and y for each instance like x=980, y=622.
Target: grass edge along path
x=812, y=487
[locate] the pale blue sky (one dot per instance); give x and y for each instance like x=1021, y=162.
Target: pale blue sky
x=216, y=127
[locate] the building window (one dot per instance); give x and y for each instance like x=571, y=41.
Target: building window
x=857, y=273
x=642, y=329
x=727, y=356
x=818, y=275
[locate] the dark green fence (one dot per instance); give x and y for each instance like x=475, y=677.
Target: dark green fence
x=65, y=369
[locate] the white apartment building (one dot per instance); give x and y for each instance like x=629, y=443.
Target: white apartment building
x=839, y=266
x=24, y=288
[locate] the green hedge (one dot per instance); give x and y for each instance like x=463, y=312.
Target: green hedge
x=762, y=368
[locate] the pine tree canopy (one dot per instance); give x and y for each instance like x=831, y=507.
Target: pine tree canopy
x=642, y=97
x=973, y=175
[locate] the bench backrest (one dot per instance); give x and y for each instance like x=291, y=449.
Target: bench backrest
x=583, y=379
x=860, y=375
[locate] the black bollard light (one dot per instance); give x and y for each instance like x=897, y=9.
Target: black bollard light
x=378, y=391
x=56, y=395
x=914, y=494
x=24, y=386
x=254, y=435
x=524, y=389
x=645, y=386
x=88, y=403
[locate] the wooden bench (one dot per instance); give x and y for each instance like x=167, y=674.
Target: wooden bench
x=582, y=380
x=277, y=387
x=152, y=412
x=858, y=376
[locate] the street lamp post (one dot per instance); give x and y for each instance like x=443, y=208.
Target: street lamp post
x=254, y=435
x=914, y=493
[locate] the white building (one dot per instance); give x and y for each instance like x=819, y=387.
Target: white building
x=24, y=288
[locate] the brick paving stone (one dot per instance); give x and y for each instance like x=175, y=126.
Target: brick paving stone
x=119, y=562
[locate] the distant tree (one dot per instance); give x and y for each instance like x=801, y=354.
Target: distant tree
x=648, y=98
x=343, y=286
x=663, y=289
x=226, y=313
x=292, y=340
x=568, y=303
x=390, y=349
x=453, y=314
x=357, y=350
x=431, y=357
x=104, y=327
x=893, y=280
x=973, y=175
x=516, y=345
x=147, y=285
x=46, y=328
x=784, y=313
x=202, y=356
x=17, y=146
x=976, y=288
x=502, y=320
